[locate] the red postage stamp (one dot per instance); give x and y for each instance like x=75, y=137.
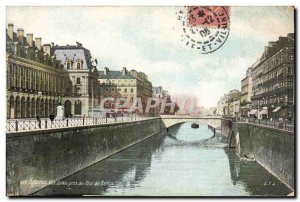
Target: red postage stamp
x=208, y=16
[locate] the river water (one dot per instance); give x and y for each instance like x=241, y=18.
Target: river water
x=180, y=162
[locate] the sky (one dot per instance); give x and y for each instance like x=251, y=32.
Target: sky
x=148, y=39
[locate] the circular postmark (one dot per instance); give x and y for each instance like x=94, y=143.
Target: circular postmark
x=205, y=28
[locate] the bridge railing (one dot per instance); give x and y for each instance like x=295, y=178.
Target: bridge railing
x=283, y=125
x=18, y=125
x=189, y=116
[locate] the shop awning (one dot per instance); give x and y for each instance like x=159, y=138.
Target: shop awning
x=264, y=111
x=276, y=109
x=253, y=112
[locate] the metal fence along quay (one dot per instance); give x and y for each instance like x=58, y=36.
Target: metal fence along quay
x=283, y=125
x=19, y=125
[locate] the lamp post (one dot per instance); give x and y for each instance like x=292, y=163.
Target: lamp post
x=92, y=99
x=39, y=94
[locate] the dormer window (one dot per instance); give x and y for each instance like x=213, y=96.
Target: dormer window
x=68, y=65
x=79, y=64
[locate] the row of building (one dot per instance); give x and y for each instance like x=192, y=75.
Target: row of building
x=42, y=76
x=268, y=89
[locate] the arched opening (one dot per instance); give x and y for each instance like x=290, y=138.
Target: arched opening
x=28, y=109
x=33, y=107
x=68, y=107
x=54, y=107
x=78, y=107
x=18, y=106
x=46, y=108
x=23, y=107
x=37, y=106
x=11, y=107
x=50, y=107
x=42, y=108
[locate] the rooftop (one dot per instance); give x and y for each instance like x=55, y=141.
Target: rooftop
x=115, y=75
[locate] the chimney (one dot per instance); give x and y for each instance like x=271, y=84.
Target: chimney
x=106, y=70
x=38, y=43
x=52, y=44
x=79, y=45
x=10, y=31
x=267, y=50
x=124, y=71
x=271, y=44
x=47, y=49
x=29, y=39
x=20, y=34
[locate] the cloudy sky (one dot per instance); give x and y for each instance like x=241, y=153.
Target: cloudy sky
x=148, y=39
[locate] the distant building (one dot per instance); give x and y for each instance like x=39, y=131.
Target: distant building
x=273, y=81
x=222, y=105
x=236, y=108
x=246, y=93
x=159, y=92
x=233, y=100
x=125, y=84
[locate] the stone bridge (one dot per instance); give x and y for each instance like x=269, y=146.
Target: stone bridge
x=212, y=121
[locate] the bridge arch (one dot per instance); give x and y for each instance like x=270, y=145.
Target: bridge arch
x=168, y=121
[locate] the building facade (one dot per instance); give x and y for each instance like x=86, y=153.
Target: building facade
x=273, y=81
x=84, y=91
x=124, y=84
x=42, y=77
x=159, y=92
x=35, y=81
x=233, y=102
x=222, y=105
x=246, y=93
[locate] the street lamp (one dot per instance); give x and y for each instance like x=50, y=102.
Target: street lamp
x=39, y=94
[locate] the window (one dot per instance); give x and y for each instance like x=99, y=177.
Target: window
x=131, y=90
x=290, y=56
x=290, y=84
x=289, y=70
x=78, y=65
x=125, y=90
x=69, y=65
x=78, y=107
x=78, y=81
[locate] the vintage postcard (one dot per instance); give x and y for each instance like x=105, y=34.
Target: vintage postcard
x=160, y=101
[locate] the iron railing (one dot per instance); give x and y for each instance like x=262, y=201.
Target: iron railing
x=18, y=125
x=283, y=125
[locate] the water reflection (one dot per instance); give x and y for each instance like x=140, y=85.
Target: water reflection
x=180, y=162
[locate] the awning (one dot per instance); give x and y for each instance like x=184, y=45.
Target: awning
x=276, y=109
x=264, y=111
x=253, y=112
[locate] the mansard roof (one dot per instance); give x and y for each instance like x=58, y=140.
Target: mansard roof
x=115, y=75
